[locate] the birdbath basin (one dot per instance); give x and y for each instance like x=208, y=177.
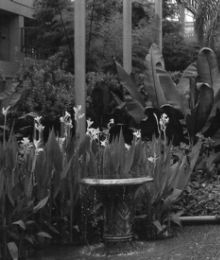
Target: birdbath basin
x=117, y=196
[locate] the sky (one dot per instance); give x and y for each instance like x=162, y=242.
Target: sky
x=188, y=16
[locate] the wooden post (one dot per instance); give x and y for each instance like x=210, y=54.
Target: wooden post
x=80, y=61
x=159, y=14
x=127, y=35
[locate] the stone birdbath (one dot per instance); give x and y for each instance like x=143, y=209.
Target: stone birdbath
x=117, y=196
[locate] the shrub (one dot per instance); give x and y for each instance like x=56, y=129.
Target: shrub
x=178, y=54
x=47, y=91
x=100, y=100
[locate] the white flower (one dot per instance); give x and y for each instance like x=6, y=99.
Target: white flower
x=137, y=134
x=110, y=123
x=67, y=123
x=5, y=110
x=93, y=133
x=26, y=146
x=104, y=142
x=89, y=123
x=153, y=159
x=127, y=146
x=37, y=146
x=39, y=127
x=164, y=120
x=78, y=115
x=66, y=119
x=25, y=141
x=61, y=141
x=67, y=114
x=62, y=119
x=38, y=119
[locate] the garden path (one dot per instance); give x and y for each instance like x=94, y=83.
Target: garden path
x=192, y=243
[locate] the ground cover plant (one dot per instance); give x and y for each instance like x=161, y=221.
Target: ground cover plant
x=202, y=194
x=201, y=198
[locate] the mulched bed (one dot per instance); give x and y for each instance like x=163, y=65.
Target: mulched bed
x=202, y=196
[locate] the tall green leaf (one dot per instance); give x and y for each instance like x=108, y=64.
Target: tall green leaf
x=172, y=95
x=132, y=107
x=129, y=84
x=53, y=152
x=200, y=113
x=41, y=204
x=13, y=250
x=184, y=84
x=208, y=68
x=153, y=61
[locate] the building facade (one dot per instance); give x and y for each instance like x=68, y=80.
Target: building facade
x=15, y=15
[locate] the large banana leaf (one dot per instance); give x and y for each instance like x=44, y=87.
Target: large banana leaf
x=209, y=73
x=201, y=84
x=200, y=113
x=208, y=68
x=172, y=95
x=133, y=108
x=184, y=84
x=204, y=107
x=158, y=84
x=154, y=61
x=129, y=84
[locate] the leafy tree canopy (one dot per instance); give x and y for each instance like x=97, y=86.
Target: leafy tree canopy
x=54, y=29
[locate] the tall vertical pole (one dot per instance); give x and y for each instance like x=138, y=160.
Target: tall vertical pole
x=80, y=61
x=127, y=35
x=159, y=16
x=182, y=18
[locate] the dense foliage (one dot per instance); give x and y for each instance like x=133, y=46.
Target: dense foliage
x=47, y=90
x=40, y=196
x=53, y=31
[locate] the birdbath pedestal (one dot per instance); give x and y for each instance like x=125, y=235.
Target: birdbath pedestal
x=117, y=196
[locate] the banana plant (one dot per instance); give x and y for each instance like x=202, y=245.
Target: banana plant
x=201, y=83
x=161, y=96
x=195, y=98
x=160, y=89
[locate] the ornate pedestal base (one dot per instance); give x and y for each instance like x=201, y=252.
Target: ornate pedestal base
x=118, y=198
